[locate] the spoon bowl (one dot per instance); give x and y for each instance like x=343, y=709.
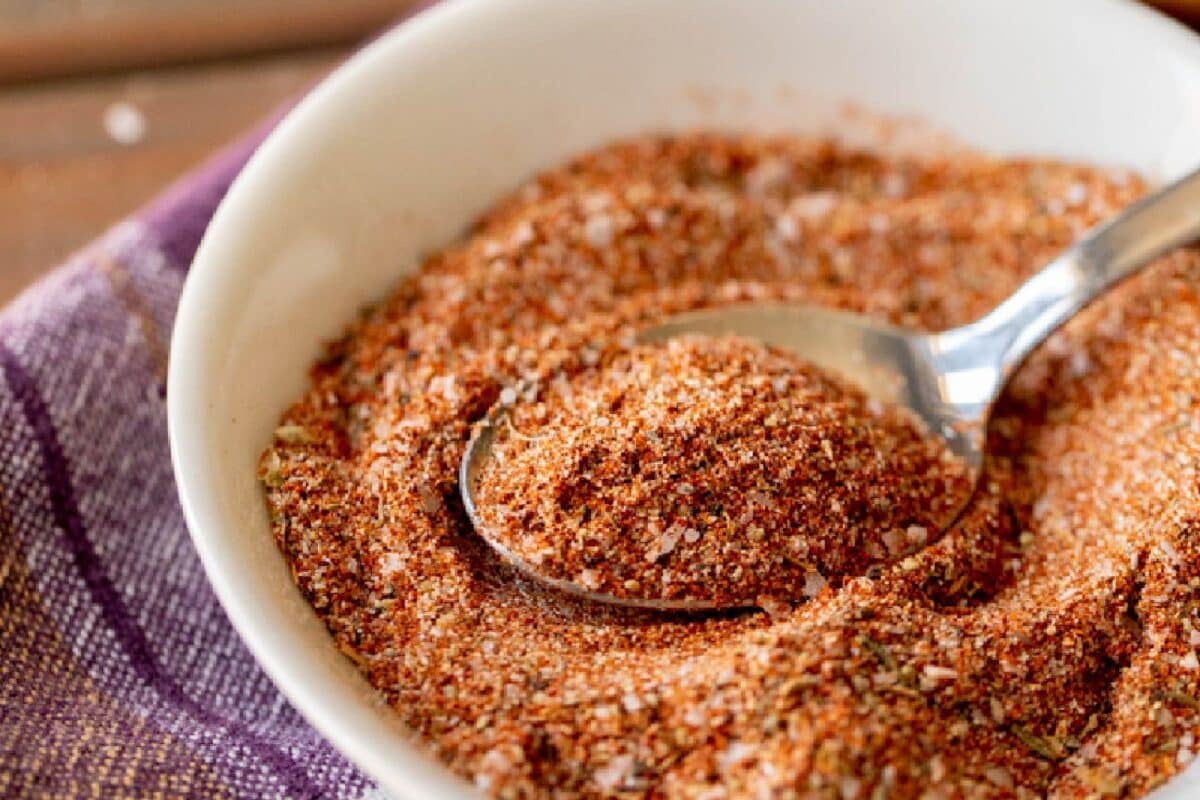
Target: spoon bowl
x=886, y=363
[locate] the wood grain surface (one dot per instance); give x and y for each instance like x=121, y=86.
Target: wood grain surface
x=105, y=102
x=64, y=178
x=51, y=38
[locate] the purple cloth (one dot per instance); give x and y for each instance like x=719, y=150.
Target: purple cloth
x=120, y=675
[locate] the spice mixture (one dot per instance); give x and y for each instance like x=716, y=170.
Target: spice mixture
x=712, y=470
x=1045, y=645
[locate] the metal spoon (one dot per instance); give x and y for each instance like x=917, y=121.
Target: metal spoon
x=949, y=379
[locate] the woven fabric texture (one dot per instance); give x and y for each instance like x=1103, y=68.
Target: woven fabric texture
x=120, y=675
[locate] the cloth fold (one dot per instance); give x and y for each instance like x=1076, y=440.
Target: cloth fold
x=120, y=675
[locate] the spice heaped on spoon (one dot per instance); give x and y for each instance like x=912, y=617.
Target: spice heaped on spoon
x=706, y=470
x=946, y=381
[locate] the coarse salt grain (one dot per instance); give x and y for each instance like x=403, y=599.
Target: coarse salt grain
x=813, y=207
x=614, y=774
x=787, y=228
x=768, y=175
x=1075, y=195
x=894, y=185
x=445, y=386
x=521, y=235
x=736, y=753
x=814, y=582
x=599, y=230
x=940, y=673
x=998, y=776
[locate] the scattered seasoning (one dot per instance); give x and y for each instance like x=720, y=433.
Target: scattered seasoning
x=715, y=470
x=527, y=693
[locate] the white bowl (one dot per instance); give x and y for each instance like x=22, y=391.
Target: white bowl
x=403, y=146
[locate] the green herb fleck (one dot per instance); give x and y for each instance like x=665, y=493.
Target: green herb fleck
x=1178, y=697
x=879, y=650
x=1038, y=745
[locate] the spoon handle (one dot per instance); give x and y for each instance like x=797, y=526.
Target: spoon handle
x=1110, y=252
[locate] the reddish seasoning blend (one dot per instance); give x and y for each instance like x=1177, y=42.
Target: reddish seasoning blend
x=714, y=470
x=1044, y=645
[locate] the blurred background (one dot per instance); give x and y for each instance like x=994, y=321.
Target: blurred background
x=104, y=102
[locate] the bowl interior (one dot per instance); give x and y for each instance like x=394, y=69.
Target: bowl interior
x=396, y=153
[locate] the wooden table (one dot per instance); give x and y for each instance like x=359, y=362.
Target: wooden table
x=64, y=178
x=104, y=103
